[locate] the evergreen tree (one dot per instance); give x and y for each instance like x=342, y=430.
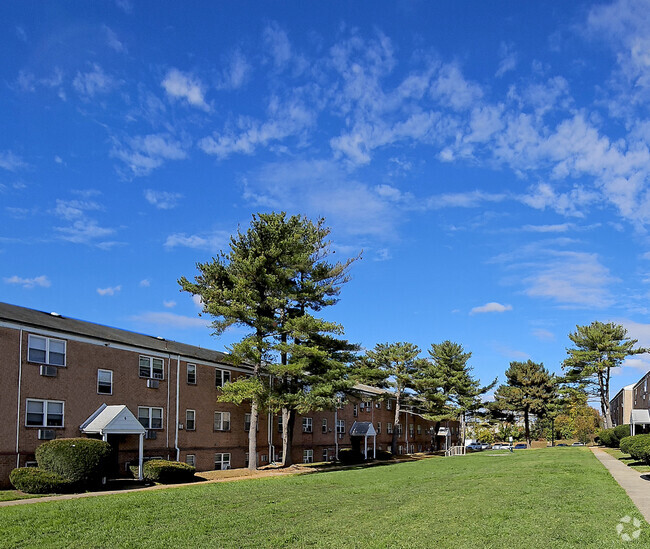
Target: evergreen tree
x=393, y=365
x=598, y=348
x=530, y=390
x=447, y=385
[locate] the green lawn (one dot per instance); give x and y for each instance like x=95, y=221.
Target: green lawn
x=10, y=495
x=561, y=497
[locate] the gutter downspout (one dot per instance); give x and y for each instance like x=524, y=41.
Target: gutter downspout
x=20, y=376
x=169, y=365
x=178, y=378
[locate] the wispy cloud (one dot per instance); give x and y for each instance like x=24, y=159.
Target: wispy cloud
x=236, y=73
x=169, y=304
x=180, y=85
x=170, y=320
x=113, y=41
x=11, y=162
x=82, y=229
x=543, y=335
x=111, y=290
x=145, y=283
x=162, y=200
x=213, y=242
x=94, y=82
x=143, y=154
x=508, y=59
x=40, y=281
x=492, y=307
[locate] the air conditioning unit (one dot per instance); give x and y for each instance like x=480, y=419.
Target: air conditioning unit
x=46, y=434
x=180, y=426
x=153, y=383
x=340, y=435
x=49, y=371
x=150, y=434
x=225, y=467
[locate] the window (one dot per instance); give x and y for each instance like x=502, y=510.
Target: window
x=150, y=417
x=367, y=405
x=279, y=424
x=389, y=404
x=378, y=405
x=325, y=456
x=411, y=430
x=355, y=410
x=247, y=422
x=389, y=428
x=419, y=429
x=379, y=427
x=306, y=425
x=324, y=426
x=44, y=413
x=152, y=367
x=221, y=378
x=104, y=382
x=222, y=421
x=264, y=458
x=308, y=456
x=46, y=350
x=399, y=429
x=340, y=426
x=191, y=374
x=246, y=458
x=190, y=420
x=190, y=459
x=221, y=462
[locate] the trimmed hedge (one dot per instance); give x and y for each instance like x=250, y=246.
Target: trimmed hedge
x=83, y=461
x=637, y=446
x=612, y=437
x=32, y=480
x=622, y=431
x=348, y=456
x=168, y=472
x=384, y=455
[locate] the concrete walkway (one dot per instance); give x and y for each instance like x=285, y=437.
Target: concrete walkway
x=637, y=485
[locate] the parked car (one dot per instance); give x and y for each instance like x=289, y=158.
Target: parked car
x=475, y=446
x=501, y=446
x=578, y=444
x=562, y=444
x=521, y=446
x=485, y=446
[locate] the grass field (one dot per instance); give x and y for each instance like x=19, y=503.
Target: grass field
x=561, y=497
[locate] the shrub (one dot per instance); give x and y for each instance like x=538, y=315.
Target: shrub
x=622, y=431
x=349, y=456
x=83, y=461
x=608, y=438
x=168, y=472
x=36, y=481
x=637, y=446
x=384, y=454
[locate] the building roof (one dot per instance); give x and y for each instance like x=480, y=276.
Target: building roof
x=640, y=417
x=362, y=429
x=54, y=321
x=117, y=419
x=362, y=388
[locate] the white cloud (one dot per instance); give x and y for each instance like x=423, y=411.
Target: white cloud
x=558, y=228
x=492, y=307
x=113, y=41
x=170, y=320
x=41, y=281
x=94, y=82
x=180, y=85
x=277, y=44
x=543, y=335
x=111, y=290
x=169, y=304
x=237, y=72
x=161, y=199
x=508, y=59
x=85, y=232
x=143, y=154
x=215, y=241
x=198, y=302
x=145, y=283
x=11, y=162
x=74, y=209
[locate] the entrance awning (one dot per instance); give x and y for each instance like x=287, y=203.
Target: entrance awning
x=365, y=429
x=115, y=420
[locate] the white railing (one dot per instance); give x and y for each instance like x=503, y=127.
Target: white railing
x=455, y=451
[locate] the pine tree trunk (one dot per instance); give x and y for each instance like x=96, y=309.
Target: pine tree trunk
x=527, y=426
x=288, y=422
x=393, y=445
x=252, y=437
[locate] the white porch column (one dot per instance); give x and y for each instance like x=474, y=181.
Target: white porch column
x=105, y=437
x=141, y=457
x=374, y=447
x=365, y=450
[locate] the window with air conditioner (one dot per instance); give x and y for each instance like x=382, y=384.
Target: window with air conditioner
x=306, y=425
x=46, y=350
x=150, y=417
x=190, y=420
x=279, y=424
x=221, y=377
x=379, y=427
x=389, y=428
x=419, y=429
x=325, y=455
x=221, y=461
x=152, y=367
x=389, y=404
x=324, y=425
x=308, y=456
x=190, y=459
x=43, y=413
x=104, y=382
x=222, y=421
x=355, y=410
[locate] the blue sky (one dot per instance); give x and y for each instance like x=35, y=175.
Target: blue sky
x=490, y=159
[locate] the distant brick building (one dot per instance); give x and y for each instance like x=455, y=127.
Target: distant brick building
x=57, y=371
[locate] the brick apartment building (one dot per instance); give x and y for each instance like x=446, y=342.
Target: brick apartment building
x=57, y=372
x=620, y=407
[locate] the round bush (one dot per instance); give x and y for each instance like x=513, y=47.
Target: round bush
x=36, y=481
x=384, y=455
x=637, y=446
x=348, y=456
x=168, y=472
x=608, y=438
x=622, y=431
x=83, y=461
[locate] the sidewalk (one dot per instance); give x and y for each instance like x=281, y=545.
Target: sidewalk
x=637, y=485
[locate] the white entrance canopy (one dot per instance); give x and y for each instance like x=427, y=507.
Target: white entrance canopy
x=365, y=429
x=115, y=420
x=639, y=417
